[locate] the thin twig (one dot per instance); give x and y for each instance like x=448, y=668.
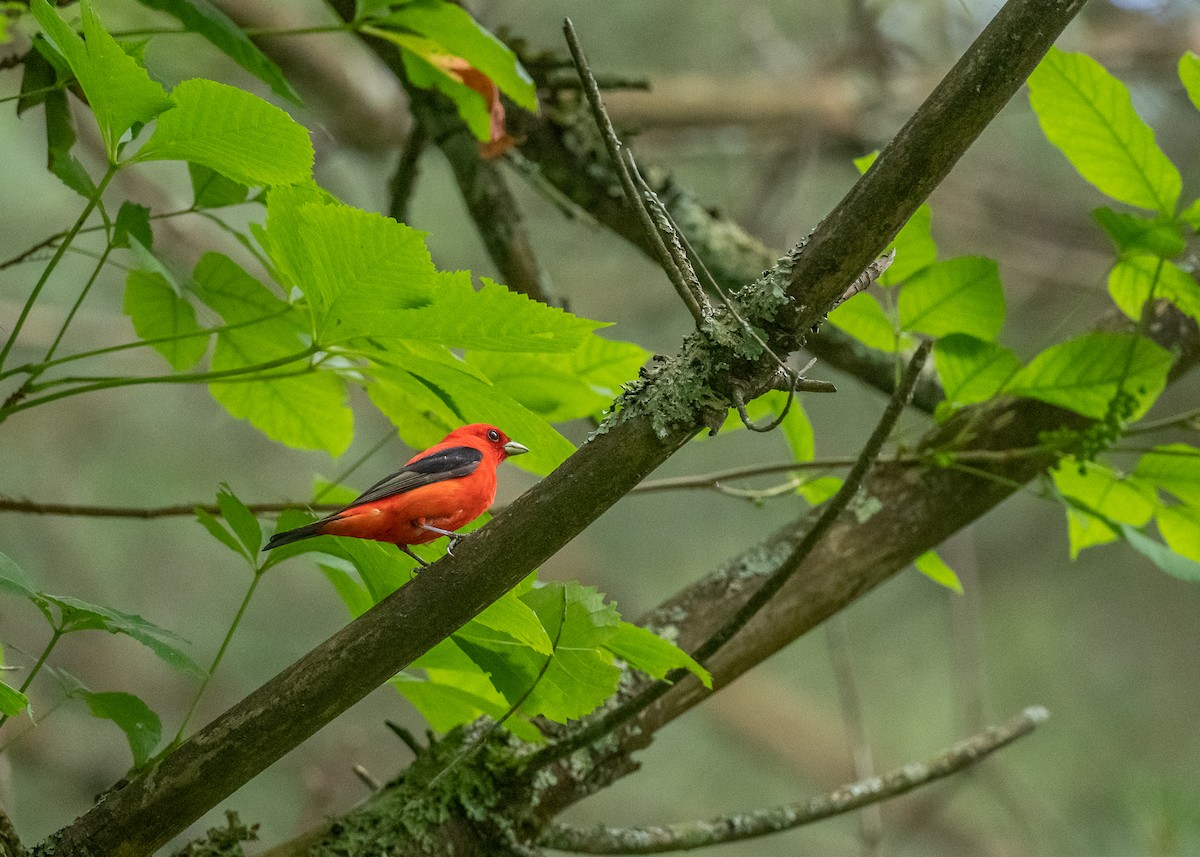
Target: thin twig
x=831, y=511
x=749, y=825
x=404, y=181
x=696, y=303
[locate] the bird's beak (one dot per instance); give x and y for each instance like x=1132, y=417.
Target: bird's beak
x=514, y=448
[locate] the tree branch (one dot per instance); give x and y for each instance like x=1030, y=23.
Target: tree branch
x=749, y=825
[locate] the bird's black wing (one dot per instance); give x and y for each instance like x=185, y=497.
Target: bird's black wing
x=452, y=463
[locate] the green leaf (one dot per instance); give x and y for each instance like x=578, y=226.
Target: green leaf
x=204, y=19
x=43, y=69
x=157, y=310
x=82, y=616
x=218, y=531
x=1189, y=74
x=60, y=139
x=210, y=189
x=1132, y=233
x=934, y=567
x=510, y=615
x=140, y=724
x=471, y=399
x=817, y=491
x=445, y=705
x=133, y=221
x=1134, y=279
x=1191, y=215
x=240, y=519
x=353, y=594
x=427, y=65
x=1180, y=528
x=972, y=370
x=914, y=244
x=491, y=319
x=645, y=650
x=960, y=295
x=1166, y=559
x=1104, y=498
x=796, y=428
x=233, y=132
x=14, y=581
x=301, y=407
x=1174, y=467
x=12, y=701
x=456, y=31
x=560, y=387
x=1088, y=114
x=1085, y=373
x=863, y=318
x=120, y=92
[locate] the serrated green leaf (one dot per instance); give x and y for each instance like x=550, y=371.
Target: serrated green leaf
x=446, y=705
x=1174, y=467
x=427, y=65
x=652, y=654
x=1088, y=114
x=459, y=34
x=234, y=132
x=1099, y=489
x=81, y=616
x=12, y=701
x=142, y=727
x=120, y=92
x=210, y=189
x=60, y=139
x=510, y=615
x=1132, y=233
x=1085, y=373
x=240, y=519
x=217, y=530
x=1180, y=529
x=972, y=370
x=863, y=318
x=961, y=295
x=14, y=581
x=1166, y=559
x=934, y=567
x=560, y=387
x=157, y=310
x=133, y=221
x=471, y=400
x=43, y=69
x=204, y=19
x=1189, y=75
x=1134, y=279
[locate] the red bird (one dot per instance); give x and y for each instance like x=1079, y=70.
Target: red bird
x=439, y=490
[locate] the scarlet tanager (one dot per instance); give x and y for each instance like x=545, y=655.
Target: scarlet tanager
x=439, y=490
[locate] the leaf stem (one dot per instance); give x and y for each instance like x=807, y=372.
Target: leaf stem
x=54, y=638
x=92, y=202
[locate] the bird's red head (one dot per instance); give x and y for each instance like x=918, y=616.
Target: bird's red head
x=484, y=436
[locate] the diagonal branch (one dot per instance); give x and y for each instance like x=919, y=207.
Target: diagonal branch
x=602, y=839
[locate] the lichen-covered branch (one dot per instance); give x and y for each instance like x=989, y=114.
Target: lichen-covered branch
x=603, y=839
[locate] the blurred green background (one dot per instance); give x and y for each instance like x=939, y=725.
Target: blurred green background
x=759, y=107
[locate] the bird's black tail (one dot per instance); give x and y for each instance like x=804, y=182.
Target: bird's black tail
x=289, y=536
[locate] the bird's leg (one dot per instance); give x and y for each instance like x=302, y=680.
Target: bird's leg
x=454, y=537
x=420, y=562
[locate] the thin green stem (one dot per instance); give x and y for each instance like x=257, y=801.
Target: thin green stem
x=87, y=287
x=54, y=638
x=92, y=202
x=88, y=385
x=253, y=32
x=41, y=90
x=237, y=619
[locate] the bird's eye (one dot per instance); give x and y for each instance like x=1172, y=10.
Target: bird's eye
x=494, y=436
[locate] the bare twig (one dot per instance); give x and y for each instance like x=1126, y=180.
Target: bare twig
x=749, y=825
x=696, y=302
x=404, y=180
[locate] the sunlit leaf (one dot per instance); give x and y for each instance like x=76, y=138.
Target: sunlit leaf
x=1180, y=528
x=913, y=244
x=12, y=701
x=863, y=318
x=935, y=568
x=233, y=132
x=210, y=189
x=1088, y=114
x=1133, y=280
x=120, y=92
x=1132, y=233
x=652, y=654
x=972, y=370
x=1174, y=467
x=960, y=295
x=1085, y=373
x=1189, y=74
x=1099, y=489
x=157, y=310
